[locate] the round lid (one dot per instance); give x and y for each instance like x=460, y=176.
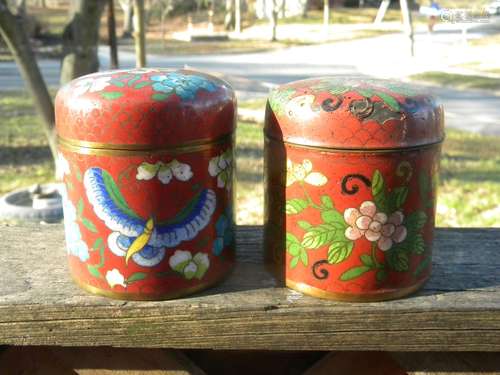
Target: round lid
x=148, y=107
x=350, y=113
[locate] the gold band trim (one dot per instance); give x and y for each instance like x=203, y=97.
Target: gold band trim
x=345, y=297
x=147, y=297
x=93, y=148
x=354, y=150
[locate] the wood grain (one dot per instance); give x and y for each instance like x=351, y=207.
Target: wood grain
x=458, y=310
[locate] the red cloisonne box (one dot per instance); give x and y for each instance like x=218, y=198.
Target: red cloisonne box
x=147, y=158
x=351, y=171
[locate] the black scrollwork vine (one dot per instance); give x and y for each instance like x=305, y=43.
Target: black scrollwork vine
x=320, y=273
x=331, y=104
x=354, y=188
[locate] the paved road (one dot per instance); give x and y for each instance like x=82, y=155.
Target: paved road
x=383, y=56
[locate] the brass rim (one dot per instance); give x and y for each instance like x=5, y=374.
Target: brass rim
x=95, y=148
x=354, y=150
x=346, y=297
x=148, y=297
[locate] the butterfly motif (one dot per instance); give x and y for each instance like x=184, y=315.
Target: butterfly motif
x=144, y=240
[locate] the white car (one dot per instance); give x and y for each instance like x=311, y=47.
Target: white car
x=493, y=8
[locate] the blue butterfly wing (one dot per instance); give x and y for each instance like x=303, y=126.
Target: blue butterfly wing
x=102, y=195
x=188, y=223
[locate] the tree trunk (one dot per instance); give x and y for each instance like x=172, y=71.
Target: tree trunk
x=274, y=20
x=80, y=39
x=305, y=5
x=113, y=50
x=326, y=16
x=127, y=8
x=408, y=24
x=17, y=41
x=384, y=5
x=237, y=16
x=139, y=34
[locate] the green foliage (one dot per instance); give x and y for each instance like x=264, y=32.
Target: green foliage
x=295, y=206
x=354, y=273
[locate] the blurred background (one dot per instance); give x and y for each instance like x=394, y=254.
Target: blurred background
x=449, y=46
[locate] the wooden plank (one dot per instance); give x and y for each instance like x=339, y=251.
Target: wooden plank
x=458, y=310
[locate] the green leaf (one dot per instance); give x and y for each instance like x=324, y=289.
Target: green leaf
x=422, y=266
x=142, y=84
x=326, y=201
x=366, y=260
x=94, y=271
x=111, y=95
x=389, y=101
x=134, y=80
x=397, y=198
x=98, y=244
x=354, y=273
x=294, y=262
x=70, y=186
x=290, y=238
x=367, y=93
x=379, y=192
x=295, y=206
x=417, y=244
x=398, y=260
x=319, y=236
x=294, y=249
x=381, y=275
x=304, y=224
x=117, y=83
x=304, y=258
x=116, y=195
x=78, y=173
x=415, y=221
x=334, y=217
x=79, y=208
x=136, y=277
x=89, y=225
x=339, y=251
x=160, y=97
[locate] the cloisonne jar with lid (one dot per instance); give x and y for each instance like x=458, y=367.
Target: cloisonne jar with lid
x=147, y=157
x=351, y=170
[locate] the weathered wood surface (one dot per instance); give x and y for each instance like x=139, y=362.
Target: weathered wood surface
x=458, y=310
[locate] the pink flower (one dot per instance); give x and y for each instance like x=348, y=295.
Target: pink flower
x=375, y=226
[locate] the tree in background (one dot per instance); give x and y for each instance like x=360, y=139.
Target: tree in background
x=80, y=39
x=14, y=34
x=139, y=34
x=127, y=8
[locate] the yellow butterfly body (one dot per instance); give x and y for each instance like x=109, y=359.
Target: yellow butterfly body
x=141, y=240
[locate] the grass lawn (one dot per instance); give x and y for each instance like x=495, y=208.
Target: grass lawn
x=469, y=192
x=460, y=81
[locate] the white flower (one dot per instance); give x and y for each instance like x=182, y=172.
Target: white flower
x=147, y=171
x=301, y=107
x=114, y=277
x=181, y=171
x=222, y=167
x=62, y=166
x=303, y=172
x=190, y=267
x=91, y=85
x=74, y=243
x=375, y=226
x=165, y=172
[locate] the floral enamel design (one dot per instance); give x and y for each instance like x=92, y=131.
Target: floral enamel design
x=74, y=242
x=144, y=240
x=114, y=278
x=375, y=226
x=224, y=227
x=189, y=266
x=164, y=171
x=302, y=172
x=381, y=221
x=184, y=86
x=91, y=84
x=222, y=167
